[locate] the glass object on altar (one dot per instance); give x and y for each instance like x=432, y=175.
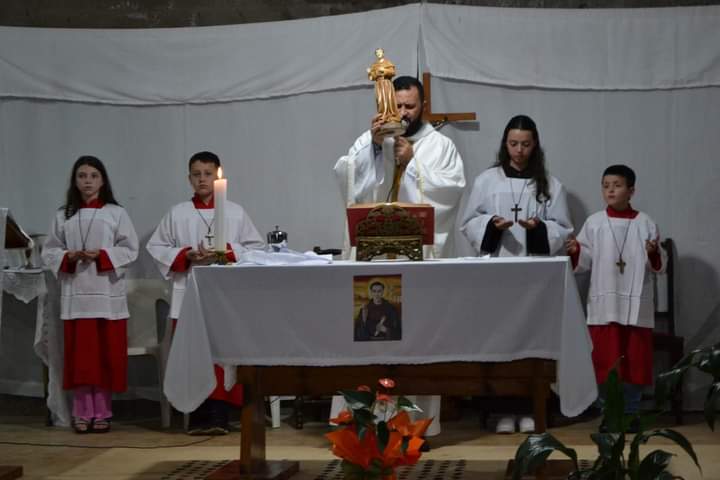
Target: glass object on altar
x=381, y=72
x=391, y=229
x=277, y=240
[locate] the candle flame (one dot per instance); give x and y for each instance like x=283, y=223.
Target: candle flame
x=219, y=173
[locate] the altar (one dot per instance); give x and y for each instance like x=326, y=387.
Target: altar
x=290, y=330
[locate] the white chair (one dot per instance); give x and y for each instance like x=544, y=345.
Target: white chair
x=275, y=409
x=159, y=351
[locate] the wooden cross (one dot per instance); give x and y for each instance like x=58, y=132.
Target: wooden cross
x=439, y=119
x=515, y=210
x=621, y=265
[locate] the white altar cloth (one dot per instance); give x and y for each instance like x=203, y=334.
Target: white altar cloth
x=494, y=310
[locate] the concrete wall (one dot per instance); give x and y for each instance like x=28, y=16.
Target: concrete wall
x=183, y=13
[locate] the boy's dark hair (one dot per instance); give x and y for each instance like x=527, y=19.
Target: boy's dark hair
x=406, y=83
x=73, y=197
x=205, y=157
x=621, y=171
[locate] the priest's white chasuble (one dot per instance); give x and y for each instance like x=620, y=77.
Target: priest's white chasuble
x=435, y=175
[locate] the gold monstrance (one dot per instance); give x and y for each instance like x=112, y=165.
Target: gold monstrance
x=381, y=72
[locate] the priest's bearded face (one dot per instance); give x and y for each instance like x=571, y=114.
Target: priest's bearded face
x=201, y=178
x=89, y=181
x=410, y=109
x=616, y=192
x=520, y=145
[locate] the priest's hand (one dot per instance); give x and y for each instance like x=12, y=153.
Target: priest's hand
x=530, y=223
x=374, y=128
x=73, y=255
x=403, y=151
x=651, y=246
x=501, y=223
x=572, y=245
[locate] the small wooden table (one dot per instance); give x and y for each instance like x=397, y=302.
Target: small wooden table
x=528, y=377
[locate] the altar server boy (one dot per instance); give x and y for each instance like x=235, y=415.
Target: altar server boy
x=184, y=239
x=620, y=246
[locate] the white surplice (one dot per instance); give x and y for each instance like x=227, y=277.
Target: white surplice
x=435, y=175
x=185, y=226
x=627, y=298
x=88, y=293
x=493, y=193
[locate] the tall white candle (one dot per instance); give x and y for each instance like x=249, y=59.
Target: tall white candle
x=220, y=197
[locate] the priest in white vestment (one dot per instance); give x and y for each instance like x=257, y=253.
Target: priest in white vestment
x=183, y=239
x=516, y=208
x=429, y=170
x=433, y=169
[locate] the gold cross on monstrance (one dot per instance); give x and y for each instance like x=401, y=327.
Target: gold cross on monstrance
x=439, y=119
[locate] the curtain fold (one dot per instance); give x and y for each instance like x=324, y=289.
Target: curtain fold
x=613, y=49
x=204, y=64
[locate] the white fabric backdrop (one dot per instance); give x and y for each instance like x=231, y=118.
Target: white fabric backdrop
x=279, y=151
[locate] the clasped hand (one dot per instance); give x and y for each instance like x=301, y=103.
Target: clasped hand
x=201, y=256
x=83, y=255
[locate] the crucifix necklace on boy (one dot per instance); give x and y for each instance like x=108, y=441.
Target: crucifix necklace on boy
x=516, y=208
x=209, y=225
x=620, y=263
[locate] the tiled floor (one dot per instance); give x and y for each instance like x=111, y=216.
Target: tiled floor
x=138, y=449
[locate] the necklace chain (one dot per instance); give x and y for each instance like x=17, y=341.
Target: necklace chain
x=207, y=224
x=620, y=249
x=84, y=238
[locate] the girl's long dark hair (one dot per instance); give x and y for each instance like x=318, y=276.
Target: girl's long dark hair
x=536, y=162
x=73, y=198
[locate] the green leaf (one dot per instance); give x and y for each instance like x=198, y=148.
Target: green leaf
x=535, y=450
x=614, y=410
x=357, y=399
x=383, y=435
x=653, y=464
x=711, y=401
x=606, y=443
x=673, y=435
x=363, y=416
x=404, y=404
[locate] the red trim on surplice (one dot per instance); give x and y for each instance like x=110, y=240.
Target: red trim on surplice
x=632, y=345
x=95, y=353
x=104, y=264
x=68, y=266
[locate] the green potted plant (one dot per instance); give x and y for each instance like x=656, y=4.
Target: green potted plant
x=613, y=461
x=706, y=360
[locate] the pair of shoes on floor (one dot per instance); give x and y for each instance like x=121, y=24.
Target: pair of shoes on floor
x=211, y=418
x=96, y=425
x=507, y=424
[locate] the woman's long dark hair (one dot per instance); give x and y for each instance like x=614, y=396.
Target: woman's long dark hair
x=536, y=162
x=73, y=198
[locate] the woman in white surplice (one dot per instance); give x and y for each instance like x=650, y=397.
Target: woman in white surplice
x=516, y=208
x=90, y=243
